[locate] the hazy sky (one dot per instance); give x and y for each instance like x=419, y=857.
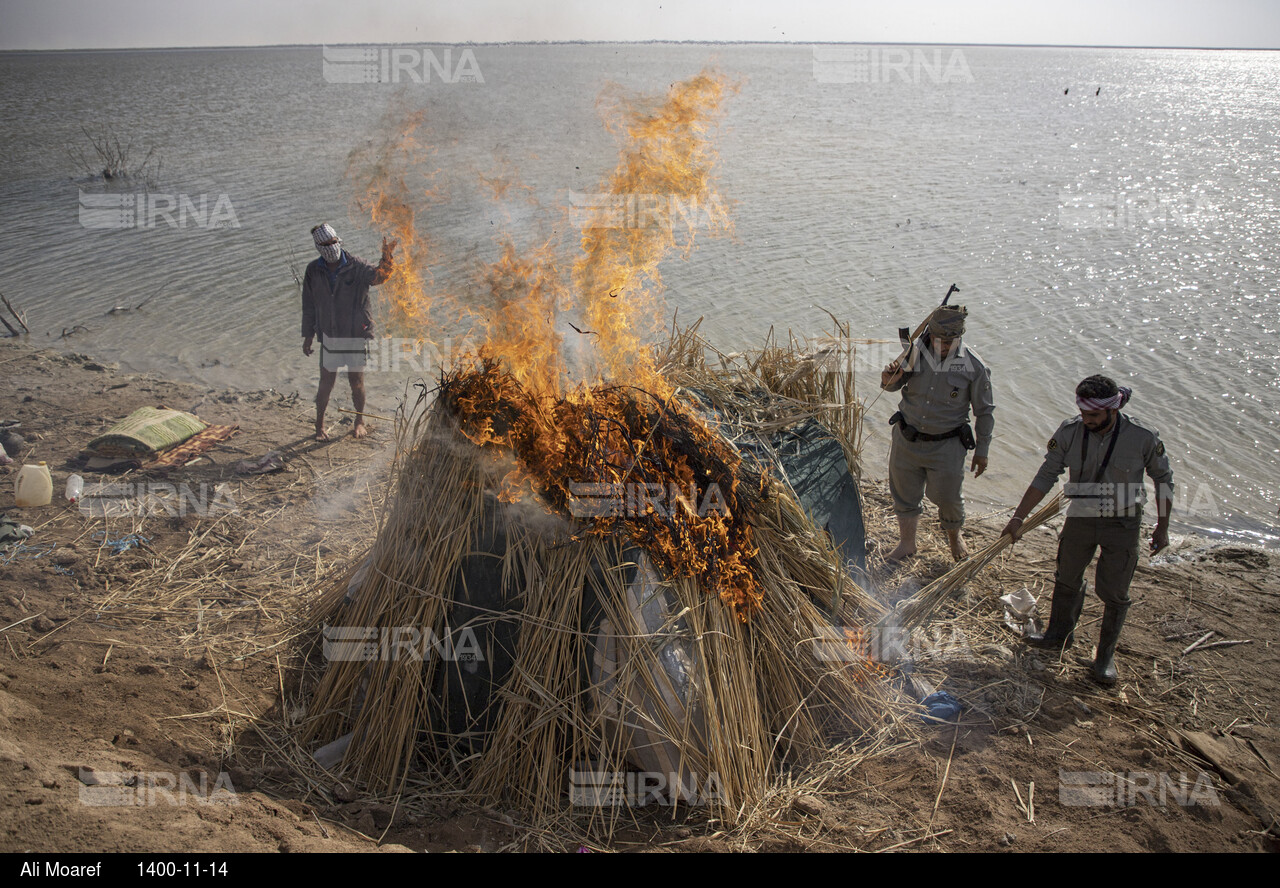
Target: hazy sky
x=69, y=24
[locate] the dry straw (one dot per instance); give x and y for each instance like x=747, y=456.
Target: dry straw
x=919, y=608
x=601, y=666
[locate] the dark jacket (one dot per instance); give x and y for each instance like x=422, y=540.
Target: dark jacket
x=337, y=306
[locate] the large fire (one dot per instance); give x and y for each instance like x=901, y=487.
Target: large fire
x=664, y=177
x=614, y=445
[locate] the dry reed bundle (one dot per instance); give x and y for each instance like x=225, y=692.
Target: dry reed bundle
x=777, y=386
x=917, y=609
x=600, y=665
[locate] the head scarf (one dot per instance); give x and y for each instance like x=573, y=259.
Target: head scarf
x=947, y=321
x=327, y=242
x=1115, y=402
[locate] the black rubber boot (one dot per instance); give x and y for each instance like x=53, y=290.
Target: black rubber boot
x=1064, y=611
x=1104, y=666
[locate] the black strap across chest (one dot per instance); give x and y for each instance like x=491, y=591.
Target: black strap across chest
x=1106, y=458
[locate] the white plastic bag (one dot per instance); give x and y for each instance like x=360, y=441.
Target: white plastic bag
x=1020, y=612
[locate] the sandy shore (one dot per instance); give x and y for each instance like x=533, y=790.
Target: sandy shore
x=180, y=659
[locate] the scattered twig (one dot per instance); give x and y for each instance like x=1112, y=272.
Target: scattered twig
x=1182, y=635
x=1222, y=644
x=916, y=839
x=365, y=413
x=945, y=774
x=20, y=622
x=121, y=309
x=1028, y=810
x=1189, y=648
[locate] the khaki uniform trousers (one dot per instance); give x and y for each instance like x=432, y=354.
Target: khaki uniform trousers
x=1118, y=539
x=933, y=468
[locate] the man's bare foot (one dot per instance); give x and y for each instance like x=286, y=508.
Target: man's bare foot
x=359, y=430
x=321, y=434
x=899, y=555
x=959, y=551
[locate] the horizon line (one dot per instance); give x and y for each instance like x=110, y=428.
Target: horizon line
x=644, y=43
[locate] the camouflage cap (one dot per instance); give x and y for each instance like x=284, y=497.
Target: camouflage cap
x=947, y=321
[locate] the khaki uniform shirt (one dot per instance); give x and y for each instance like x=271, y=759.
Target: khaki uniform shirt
x=937, y=393
x=1117, y=491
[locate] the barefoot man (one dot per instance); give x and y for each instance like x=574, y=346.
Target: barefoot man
x=335, y=307
x=940, y=380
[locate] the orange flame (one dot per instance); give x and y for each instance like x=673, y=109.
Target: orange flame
x=511, y=397
x=663, y=179
x=396, y=181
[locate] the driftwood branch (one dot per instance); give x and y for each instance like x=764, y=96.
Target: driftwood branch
x=294, y=264
x=16, y=314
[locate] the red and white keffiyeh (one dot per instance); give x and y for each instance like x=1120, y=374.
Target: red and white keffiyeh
x=1115, y=402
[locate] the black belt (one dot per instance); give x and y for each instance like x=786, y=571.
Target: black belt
x=912, y=434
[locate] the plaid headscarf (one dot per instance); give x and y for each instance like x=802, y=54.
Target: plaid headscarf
x=327, y=242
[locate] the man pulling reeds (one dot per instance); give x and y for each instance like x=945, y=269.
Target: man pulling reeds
x=1105, y=454
x=941, y=378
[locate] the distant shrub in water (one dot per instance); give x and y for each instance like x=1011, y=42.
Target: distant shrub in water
x=111, y=157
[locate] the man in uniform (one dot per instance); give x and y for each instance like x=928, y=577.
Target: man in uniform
x=335, y=306
x=940, y=379
x=1105, y=453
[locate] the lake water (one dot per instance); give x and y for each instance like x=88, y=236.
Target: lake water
x=1101, y=211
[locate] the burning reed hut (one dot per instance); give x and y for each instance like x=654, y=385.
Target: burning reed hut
x=603, y=584
x=651, y=572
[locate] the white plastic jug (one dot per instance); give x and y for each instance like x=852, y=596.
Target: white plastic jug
x=33, y=486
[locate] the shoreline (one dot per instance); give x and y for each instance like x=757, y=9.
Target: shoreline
x=1253, y=532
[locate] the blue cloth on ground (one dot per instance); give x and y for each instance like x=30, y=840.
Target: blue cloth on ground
x=941, y=707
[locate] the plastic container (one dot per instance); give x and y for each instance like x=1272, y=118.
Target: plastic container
x=33, y=486
x=75, y=488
